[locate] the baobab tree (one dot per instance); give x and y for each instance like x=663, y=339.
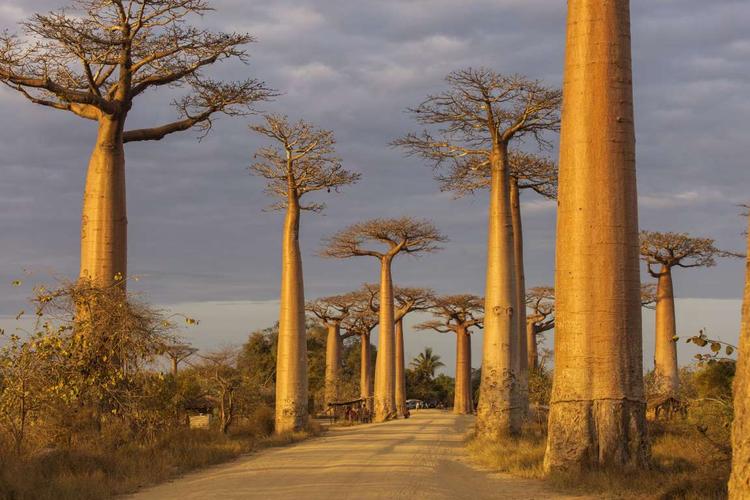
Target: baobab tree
x=739, y=481
x=406, y=300
x=384, y=239
x=541, y=301
x=662, y=252
x=302, y=160
x=95, y=60
x=177, y=353
x=332, y=311
x=361, y=322
x=458, y=314
x=527, y=172
x=648, y=295
x=476, y=120
x=597, y=409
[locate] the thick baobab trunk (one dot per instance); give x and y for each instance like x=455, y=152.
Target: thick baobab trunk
x=291, y=365
x=462, y=403
x=498, y=411
x=104, y=219
x=665, y=354
x=365, y=372
x=385, y=387
x=399, y=369
x=521, y=364
x=333, y=364
x=739, y=481
x=597, y=410
x=533, y=351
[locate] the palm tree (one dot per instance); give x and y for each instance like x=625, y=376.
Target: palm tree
x=426, y=363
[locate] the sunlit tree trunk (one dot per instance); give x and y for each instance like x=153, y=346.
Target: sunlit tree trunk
x=291, y=365
x=462, y=402
x=333, y=364
x=385, y=393
x=665, y=354
x=739, y=481
x=521, y=365
x=399, y=369
x=597, y=410
x=104, y=219
x=533, y=352
x=365, y=371
x=498, y=411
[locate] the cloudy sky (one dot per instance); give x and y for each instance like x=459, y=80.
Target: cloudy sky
x=201, y=244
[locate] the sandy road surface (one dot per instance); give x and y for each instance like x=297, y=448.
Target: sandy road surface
x=421, y=457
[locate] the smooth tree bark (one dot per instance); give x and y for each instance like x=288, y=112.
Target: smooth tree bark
x=301, y=161
x=384, y=239
x=597, y=408
x=458, y=314
x=406, y=300
x=476, y=119
x=527, y=172
x=331, y=312
x=663, y=252
x=94, y=60
x=739, y=480
x=541, y=303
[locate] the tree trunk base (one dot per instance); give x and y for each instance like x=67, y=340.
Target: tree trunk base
x=289, y=418
x=497, y=422
x=596, y=434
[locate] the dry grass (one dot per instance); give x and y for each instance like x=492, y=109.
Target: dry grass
x=82, y=474
x=685, y=465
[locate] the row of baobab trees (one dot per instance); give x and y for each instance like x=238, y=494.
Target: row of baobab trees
x=98, y=65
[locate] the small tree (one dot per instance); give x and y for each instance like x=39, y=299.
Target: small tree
x=302, y=161
x=662, y=252
x=476, y=119
x=406, y=300
x=458, y=314
x=95, y=61
x=541, y=301
x=384, y=239
x=177, y=353
x=426, y=363
x=222, y=381
x=332, y=311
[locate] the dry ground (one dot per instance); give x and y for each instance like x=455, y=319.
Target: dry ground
x=422, y=457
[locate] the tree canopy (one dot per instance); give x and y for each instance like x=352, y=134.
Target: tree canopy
x=96, y=58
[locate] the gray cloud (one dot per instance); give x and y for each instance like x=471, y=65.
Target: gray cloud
x=197, y=230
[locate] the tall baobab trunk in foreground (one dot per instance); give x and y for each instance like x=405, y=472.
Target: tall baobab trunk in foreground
x=597, y=410
x=400, y=374
x=739, y=481
x=385, y=363
x=333, y=363
x=291, y=367
x=666, y=369
x=462, y=400
x=104, y=219
x=521, y=365
x=498, y=410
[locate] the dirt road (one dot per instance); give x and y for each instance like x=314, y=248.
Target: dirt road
x=422, y=457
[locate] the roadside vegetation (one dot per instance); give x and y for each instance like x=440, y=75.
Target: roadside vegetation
x=690, y=451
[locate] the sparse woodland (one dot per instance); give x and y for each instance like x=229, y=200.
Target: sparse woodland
x=103, y=395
